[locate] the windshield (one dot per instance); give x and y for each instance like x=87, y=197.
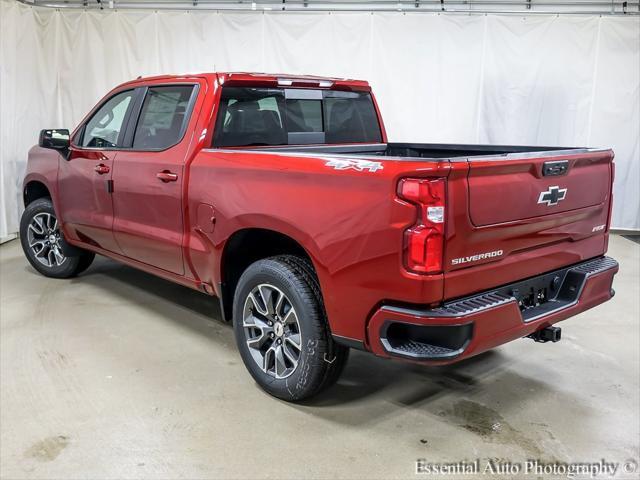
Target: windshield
x=287, y=116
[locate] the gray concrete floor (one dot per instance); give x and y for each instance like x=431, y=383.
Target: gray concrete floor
x=117, y=374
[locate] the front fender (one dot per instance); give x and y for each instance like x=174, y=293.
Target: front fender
x=42, y=167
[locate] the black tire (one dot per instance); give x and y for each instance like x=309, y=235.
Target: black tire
x=320, y=359
x=58, y=265
x=86, y=259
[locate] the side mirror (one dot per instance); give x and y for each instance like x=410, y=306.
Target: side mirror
x=57, y=139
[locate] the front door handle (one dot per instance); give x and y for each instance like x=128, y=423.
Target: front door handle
x=167, y=176
x=101, y=169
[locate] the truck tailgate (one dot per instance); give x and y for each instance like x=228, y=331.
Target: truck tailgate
x=517, y=216
x=518, y=189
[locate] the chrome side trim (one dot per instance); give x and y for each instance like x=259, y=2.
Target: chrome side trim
x=295, y=151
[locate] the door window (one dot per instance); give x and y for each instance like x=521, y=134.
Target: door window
x=163, y=117
x=104, y=127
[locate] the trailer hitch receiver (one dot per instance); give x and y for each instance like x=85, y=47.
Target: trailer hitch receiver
x=547, y=334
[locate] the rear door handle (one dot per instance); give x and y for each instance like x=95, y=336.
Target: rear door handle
x=101, y=169
x=167, y=176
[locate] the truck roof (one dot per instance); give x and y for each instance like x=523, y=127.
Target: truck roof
x=266, y=79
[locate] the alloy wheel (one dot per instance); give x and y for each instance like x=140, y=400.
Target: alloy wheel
x=43, y=237
x=272, y=331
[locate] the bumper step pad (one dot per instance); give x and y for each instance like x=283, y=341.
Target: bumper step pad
x=451, y=327
x=419, y=349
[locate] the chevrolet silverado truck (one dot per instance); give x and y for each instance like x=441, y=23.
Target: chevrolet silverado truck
x=281, y=196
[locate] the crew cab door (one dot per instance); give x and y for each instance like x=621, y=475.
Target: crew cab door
x=84, y=180
x=149, y=177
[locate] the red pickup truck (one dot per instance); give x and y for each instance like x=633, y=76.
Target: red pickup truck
x=281, y=196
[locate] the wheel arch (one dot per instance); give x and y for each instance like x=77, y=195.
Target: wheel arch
x=33, y=190
x=246, y=246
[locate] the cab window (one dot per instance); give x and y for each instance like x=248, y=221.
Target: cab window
x=279, y=116
x=104, y=128
x=163, y=117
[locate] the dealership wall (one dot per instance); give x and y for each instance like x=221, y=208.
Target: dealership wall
x=503, y=79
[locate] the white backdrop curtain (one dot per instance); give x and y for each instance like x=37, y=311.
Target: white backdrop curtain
x=545, y=80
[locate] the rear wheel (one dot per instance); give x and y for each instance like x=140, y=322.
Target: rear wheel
x=42, y=242
x=281, y=329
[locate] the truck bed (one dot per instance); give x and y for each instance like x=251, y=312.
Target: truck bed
x=486, y=235
x=423, y=150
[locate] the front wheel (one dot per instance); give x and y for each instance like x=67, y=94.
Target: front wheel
x=42, y=242
x=281, y=329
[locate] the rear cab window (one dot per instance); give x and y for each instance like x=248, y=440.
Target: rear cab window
x=288, y=116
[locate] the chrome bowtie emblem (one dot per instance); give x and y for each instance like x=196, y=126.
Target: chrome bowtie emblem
x=552, y=196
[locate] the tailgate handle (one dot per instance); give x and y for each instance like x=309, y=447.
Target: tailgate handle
x=555, y=168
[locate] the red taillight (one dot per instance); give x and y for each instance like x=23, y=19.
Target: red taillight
x=424, y=241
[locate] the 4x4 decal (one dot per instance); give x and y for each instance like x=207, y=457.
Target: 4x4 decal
x=358, y=165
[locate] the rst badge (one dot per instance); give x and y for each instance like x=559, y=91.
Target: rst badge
x=552, y=196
